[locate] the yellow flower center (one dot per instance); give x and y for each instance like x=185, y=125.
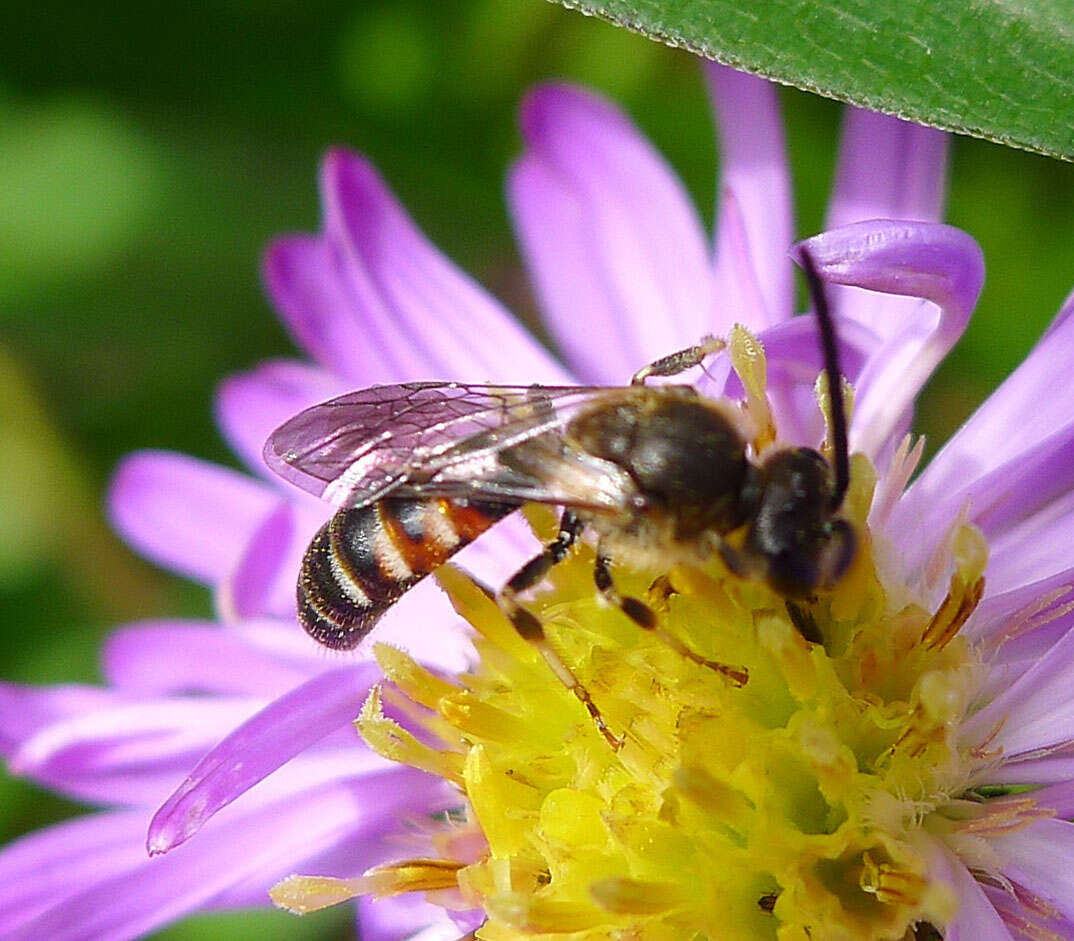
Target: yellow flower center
x=786, y=798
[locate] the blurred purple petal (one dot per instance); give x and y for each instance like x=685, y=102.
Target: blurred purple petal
x=976, y=919
x=609, y=235
x=1017, y=506
x=250, y=406
x=1014, y=913
x=418, y=311
x=740, y=298
x=888, y=169
x=43, y=869
x=1035, y=712
x=391, y=919
x=1023, y=486
x=1040, y=857
x=304, y=277
x=1016, y=609
x=1045, y=768
x=1058, y=798
x=187, y=515
x=258, y=747
x=1037, y=548
x=265, y=844
x=157, y=657
x=25, y=710
x=754, y=211
x=935, y=262
x=270, y=561
x=1032, y=404
x=129, y=751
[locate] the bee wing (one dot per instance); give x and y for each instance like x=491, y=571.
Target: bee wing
x=359, y=447
x=539, y=470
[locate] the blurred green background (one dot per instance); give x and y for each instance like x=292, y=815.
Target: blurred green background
x=149, y=151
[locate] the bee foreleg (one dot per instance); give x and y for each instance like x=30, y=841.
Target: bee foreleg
x=529, y=626
x=679, y=362
x=644, y=616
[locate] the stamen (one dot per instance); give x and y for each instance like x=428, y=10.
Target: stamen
x=903, y=464
x=304, y=894
x=413, y=679
x=748, y=361
x=390, y=740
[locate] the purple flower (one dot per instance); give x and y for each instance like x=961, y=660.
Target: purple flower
x=232, y=740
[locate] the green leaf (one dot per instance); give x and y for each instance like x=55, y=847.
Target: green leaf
x=998, y=69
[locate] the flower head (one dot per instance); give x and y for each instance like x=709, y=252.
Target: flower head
x=901, y=760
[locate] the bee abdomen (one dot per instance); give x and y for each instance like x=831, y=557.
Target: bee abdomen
x=364, y=559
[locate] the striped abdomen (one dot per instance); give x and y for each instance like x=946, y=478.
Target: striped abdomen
x=363, y=560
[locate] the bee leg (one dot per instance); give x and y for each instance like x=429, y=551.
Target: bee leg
x=644, y=616
x=679, y=362
x=529, y=626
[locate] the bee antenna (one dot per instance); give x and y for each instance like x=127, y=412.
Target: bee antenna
x=831, y=368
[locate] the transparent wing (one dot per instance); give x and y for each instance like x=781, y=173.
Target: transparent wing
x=428, y=438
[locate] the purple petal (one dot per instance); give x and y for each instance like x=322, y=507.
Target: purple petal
x=609, y=235
x=161, y=657
x=998, y=608
x=1040, y=857
x=1035, y=712
x=1047, y=769
x=187, y=515
x=1058, y=798
x=754, y=212
x=1023, y=623
x=1037, y=548
x=266, y=586
x=416, y=309
x=888, y=169
x=739, y=289
x=976, y=920
x=263, y=581
x=25, y=710
x=258, y=747
x=241, y=846
x=126, y=752
x=1025, y=508
x=403, y=917
x=1030, y=406
x=250, y=406
x=40, y=870
x=934, y=262
x=1024, y=485
x=304, y=277
x=1029, y=922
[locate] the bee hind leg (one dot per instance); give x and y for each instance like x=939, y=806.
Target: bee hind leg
x=645, y=617
x=529, y=626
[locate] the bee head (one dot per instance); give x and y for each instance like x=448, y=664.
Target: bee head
x=801, y=545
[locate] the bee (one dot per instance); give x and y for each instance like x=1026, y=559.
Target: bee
x=421, y=469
